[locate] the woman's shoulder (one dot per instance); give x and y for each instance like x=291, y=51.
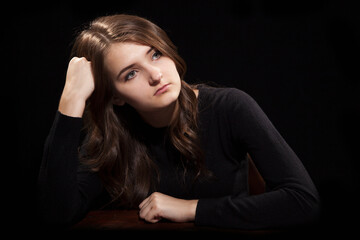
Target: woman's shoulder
x=223, y=96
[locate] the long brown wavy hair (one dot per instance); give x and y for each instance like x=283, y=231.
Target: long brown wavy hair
x=112, y=148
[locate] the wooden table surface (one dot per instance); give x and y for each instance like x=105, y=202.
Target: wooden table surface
x=125, y=220
x=128, y=220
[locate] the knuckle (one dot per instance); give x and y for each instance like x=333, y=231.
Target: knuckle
x=83, y=60
x=155, y=195
x=155, y=208
x=73, y=60
x=79, y=59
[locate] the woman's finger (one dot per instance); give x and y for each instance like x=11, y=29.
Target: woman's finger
x=152, y=214
x=145, y=207
x=141, y=205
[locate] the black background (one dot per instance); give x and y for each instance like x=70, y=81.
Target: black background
x=298, y=59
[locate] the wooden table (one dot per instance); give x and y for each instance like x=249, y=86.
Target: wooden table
x=129, y=221
x=125, y=220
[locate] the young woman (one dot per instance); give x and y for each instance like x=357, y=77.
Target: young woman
x=153, y=142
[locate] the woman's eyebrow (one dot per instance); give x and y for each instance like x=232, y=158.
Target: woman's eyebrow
x=149, y=51
x=132, y=65
x=124, y=69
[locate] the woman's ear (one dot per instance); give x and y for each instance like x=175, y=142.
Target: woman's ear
x=117, y=100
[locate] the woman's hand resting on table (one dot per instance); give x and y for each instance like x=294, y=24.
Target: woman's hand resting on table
x=158, y=206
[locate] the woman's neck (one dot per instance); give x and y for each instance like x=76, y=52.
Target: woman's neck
x=162, y=117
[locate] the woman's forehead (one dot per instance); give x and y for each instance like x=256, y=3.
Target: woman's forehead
x=127, y=50
x=122, y=54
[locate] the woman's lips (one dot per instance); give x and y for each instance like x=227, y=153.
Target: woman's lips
x=162, y=89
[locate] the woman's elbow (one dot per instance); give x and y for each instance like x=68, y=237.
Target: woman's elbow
x=53, y=214
x=310, y=208
x=314, y=210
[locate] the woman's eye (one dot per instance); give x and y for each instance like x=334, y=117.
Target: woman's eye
x=130, y=75
x=156, y=55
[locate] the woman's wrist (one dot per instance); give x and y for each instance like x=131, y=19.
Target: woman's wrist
x=192, y=209
x=71, y=106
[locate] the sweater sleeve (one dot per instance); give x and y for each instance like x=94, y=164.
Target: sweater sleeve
x=65, y=193
x=291, y=198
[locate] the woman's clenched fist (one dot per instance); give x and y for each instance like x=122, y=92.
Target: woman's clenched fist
x=78, y=87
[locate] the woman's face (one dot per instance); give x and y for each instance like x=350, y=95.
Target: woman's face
x=143, y=77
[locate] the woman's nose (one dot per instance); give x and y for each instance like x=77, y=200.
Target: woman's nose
x=155, y=76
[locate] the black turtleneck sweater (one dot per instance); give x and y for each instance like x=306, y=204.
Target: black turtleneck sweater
x=231, y=125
